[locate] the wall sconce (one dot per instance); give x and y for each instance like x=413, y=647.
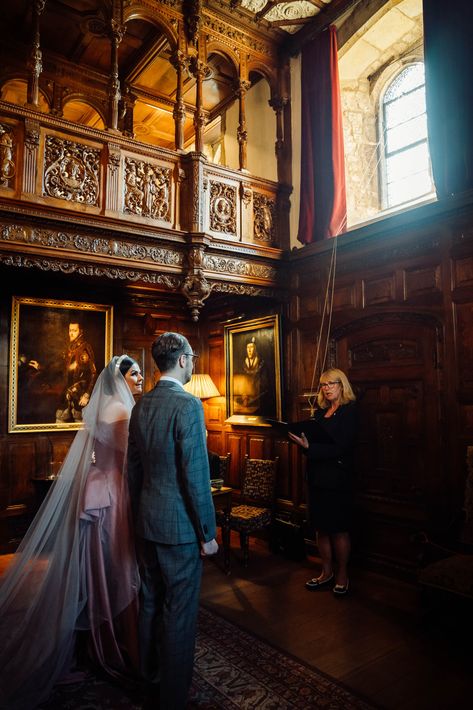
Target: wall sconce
x=202, y=386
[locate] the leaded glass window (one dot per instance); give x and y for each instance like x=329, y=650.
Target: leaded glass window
x=407, y=173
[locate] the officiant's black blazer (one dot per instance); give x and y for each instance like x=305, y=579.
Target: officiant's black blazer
x=330, y=464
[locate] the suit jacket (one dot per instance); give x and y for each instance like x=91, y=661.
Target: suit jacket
x=168, y=467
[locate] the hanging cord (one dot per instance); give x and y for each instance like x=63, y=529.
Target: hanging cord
x=326, y=312
x=330, y=290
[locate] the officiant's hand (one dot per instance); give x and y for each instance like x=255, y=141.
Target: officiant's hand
x=301, y=440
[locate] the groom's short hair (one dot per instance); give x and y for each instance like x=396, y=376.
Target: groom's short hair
x=166, y=350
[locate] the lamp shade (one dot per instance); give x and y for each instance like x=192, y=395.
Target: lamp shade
x=202, y=386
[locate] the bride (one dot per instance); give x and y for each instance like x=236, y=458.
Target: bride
x=75, y=570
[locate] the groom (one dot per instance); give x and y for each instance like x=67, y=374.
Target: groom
x=168, y=476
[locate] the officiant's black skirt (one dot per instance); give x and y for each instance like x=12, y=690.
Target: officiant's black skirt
x=330, y=510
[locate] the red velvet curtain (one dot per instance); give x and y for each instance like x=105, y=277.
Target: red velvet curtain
x=448, y=54
x=323, y=211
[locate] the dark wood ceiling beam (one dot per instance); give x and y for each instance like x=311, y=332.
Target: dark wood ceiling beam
x=328, y=16
x=146, y=57
x=159, y=100
x=296, y=21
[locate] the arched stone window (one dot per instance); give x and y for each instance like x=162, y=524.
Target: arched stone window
x=405, y=160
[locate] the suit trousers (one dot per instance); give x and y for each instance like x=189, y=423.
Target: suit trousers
x=169, y=602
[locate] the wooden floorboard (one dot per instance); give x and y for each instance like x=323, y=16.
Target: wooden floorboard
x=378, y=640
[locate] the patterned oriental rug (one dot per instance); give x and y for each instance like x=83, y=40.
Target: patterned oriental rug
x=234, y=670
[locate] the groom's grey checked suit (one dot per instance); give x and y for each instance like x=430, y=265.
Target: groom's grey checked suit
x=168, y=475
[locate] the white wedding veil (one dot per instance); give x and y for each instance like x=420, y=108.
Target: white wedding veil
x=42, y=593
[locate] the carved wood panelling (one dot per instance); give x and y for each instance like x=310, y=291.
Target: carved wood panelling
x=235, y=444
x=259, y=446
x=464, y=326
x=8, y=159
x=379, y=290
x=222, y=208
x=385, y=351
x=264, y=210
x=466, y=418
x=147, y=190
x=310, y=304
x=71, y=171
x=344, y=297
x=420, y=281
x=463, y=272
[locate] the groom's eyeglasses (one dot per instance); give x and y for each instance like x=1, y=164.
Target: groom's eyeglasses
x=192, y=355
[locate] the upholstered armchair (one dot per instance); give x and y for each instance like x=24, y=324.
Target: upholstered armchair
x=254, y=511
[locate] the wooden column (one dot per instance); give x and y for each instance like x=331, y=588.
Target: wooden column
x=278, y=103
x=178, y=61
x=35, y=64
x=242, y=136
x=200, y=71
x=129, y=101
x=118, y=30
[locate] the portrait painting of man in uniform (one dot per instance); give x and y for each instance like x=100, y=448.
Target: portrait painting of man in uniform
x=253, y=370
x=56, y=350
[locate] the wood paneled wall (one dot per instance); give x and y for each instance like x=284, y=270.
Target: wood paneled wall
x=402, y=329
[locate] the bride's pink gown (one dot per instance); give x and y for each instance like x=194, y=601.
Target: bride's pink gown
x=109, y=580
x=75, y=574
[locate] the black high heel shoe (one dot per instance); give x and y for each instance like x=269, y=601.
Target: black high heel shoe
x=317, y=583
x=340, y=589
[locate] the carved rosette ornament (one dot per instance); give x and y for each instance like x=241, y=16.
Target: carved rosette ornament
x=7, y=164
x=223, y=200
x=71, y=171
x=263, y=212
x=147, y=190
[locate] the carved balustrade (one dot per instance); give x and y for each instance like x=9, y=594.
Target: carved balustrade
x=46, y=160
x=131, y=211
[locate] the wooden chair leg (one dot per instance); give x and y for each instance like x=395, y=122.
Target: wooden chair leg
x=245, y=547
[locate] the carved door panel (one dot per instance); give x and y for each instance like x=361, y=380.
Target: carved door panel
x=394, y=367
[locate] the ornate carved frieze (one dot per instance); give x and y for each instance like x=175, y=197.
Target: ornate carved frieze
x=223, y=201
x=71, y=171
x=384, y=351
x=263, y=210
x=147, y=190
x=66, y=267
x=212, y=23
x=241, y=289
x=238, y=267
x=7, y=162
x=91, y=245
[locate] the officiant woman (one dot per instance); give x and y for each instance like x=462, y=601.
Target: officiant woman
x=330, y=474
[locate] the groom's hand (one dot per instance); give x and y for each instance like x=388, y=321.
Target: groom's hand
x=208, y=548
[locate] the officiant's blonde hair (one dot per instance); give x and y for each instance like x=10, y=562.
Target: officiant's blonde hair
x=331, y=375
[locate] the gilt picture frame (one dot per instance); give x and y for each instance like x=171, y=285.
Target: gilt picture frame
x=253, y=371
x=57, y=350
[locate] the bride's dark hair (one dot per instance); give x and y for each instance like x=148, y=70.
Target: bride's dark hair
x=124, y=363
